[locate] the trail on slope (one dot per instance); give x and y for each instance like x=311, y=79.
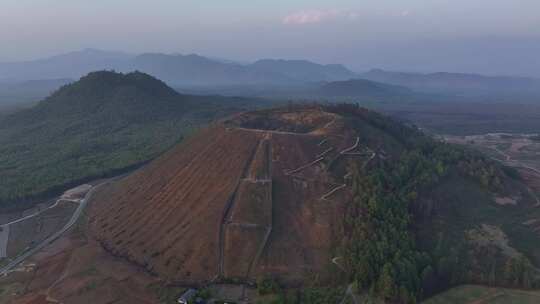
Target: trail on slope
x=228, y=208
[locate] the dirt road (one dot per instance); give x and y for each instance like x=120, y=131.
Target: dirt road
x=6, y=269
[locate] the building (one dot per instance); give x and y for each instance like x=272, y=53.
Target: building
x=187, y=296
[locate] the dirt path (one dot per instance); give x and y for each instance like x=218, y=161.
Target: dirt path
x=487, y=299
x=227, y=216
x=325, y=196
x=4, y=238
x=335, y=262
x=21, y=258
x=350, y=293
x=527, y=293
x=290, y=172
x=39, y=212
x=352, y=147
x=517, y=164
x=275, y=132
x=260, y=251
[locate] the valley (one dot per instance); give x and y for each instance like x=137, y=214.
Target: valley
x=521, y=151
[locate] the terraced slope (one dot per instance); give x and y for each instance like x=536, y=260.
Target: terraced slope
x=246, y=197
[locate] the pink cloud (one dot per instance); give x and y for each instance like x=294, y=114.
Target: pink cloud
x=320, y=15
x=312, y=16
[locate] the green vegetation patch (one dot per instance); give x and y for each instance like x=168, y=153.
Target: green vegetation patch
x=105, y=124
x=406, y=226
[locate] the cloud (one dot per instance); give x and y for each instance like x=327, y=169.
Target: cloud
x=317, y=16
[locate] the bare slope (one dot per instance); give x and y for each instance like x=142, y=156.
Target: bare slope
x=244, y=198
x=286, y=193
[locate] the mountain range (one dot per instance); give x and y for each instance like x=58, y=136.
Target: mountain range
x=458, y=83
x=175, y=69
x=195, y=71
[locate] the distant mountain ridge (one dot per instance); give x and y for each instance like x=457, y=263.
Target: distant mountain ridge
x=360, y=87
x=303, y=70
x=198, y=71
x=175, y=69
x=69, y=65
x=457, y=83
x=29, y=90
x=345, y=90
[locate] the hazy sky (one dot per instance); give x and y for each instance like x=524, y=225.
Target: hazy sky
x=487, y=36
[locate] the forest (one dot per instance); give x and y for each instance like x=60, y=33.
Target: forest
x=103, y=125
x=382, y=248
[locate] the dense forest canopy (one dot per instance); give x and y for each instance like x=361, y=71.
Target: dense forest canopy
x=104, y=124
x=385, y=251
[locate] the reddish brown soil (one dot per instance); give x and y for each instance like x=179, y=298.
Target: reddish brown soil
x=252, y=204
x=206, y=209
x=167, y=217
x=76, y=270
x=38, y=228
x=241, y=246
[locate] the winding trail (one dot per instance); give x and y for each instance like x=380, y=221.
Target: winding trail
x=325, y=196
x=352, y=147
x=274, y=132
x=350, y=293
x=39, y=212
x=290, y=172
x=269, y=199
x=335, y=262
x=517, y=164
x=4, y=238
x=21, y=258
x=227, y=218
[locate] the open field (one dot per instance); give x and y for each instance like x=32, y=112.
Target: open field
x=474, y=294
x=36, y=229
x=513, y=150
x=466, y=118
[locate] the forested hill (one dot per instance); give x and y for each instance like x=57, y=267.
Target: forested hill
x=427, y=215
x=107, y=95
x=102, y=124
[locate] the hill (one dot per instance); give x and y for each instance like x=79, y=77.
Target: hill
x=361, y=88
x=459, y=84
x=304, y=71
x=104, y=123
x=365, y=91
x=322, y=196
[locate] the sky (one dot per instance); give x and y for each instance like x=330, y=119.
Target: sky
x=482, y=36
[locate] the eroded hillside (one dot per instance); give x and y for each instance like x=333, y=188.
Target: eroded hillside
x=337, y=190
x=262, y=193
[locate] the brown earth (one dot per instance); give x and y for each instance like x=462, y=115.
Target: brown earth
x=75, y=269
x=36, y=229
x=240, y=200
